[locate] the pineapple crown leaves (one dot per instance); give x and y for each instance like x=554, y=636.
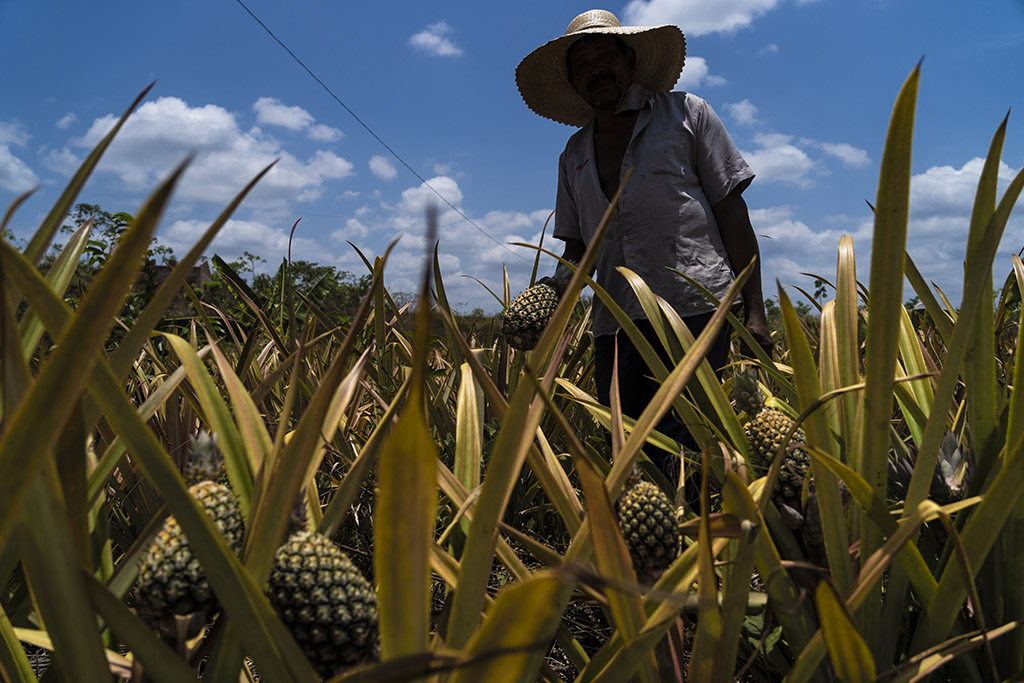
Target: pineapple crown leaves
x=746, y=392
x=298, y=519
x=206, y=461
x=954, y=467
x=949, y=480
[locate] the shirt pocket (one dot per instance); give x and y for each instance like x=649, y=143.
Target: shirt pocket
x=667, y=153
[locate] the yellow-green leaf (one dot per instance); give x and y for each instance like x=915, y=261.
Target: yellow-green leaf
x=850, y=654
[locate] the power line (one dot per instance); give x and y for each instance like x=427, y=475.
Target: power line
x=375, y=136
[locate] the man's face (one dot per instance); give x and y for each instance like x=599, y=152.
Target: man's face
x=600, y=71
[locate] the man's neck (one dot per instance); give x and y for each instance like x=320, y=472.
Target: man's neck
x=608, y=119
x=610, y=122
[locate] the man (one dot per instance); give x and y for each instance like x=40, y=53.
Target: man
x=682, y=210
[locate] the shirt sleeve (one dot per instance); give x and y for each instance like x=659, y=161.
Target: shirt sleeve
x=721, y=167
x=567, y=216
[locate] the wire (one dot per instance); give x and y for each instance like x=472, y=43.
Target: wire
x=375, y=136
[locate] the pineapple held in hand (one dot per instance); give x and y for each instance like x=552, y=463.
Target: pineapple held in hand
x=172, y=583
x=523, y=322
x=327, y=605
x=648, y=523
x=765, y=430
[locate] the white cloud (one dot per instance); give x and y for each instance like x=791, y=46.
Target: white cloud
x=15, y=174
x=696, y=17
x=848, y=154
x=322, y=133
x=695, y=73
x=778, y=160
x=415, y=199
x=383, y=168
x=13, y=134
x=163, y=132
x=941, y=202
x=238, y=236
x=789, y=247
x=744, y=112
x=434, y=41
x=270, y=111
x=67, y=121
x=354, y=231
x=945, y=191
x=63, y=160
x=769, y=49
x=465, y=250
x=329, y=165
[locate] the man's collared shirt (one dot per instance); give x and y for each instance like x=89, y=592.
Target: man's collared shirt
x=685, y=162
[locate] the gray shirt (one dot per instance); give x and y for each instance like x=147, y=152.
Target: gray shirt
x=685, y=162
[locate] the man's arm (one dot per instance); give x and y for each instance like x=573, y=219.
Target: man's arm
x=741, y=245
x=574, y=250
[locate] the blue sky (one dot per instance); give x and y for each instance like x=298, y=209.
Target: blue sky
x=805, y=87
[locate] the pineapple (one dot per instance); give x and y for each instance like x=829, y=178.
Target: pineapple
x=524, y=320
x=648, y=523
x=327, y=605
x=950, y=480
x=765, y=429
x=172, y=583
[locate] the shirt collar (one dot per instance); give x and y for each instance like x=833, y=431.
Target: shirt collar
x=635, y=98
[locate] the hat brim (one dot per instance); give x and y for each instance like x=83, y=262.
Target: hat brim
x=543, y=81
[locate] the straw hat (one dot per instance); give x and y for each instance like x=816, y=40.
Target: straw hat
x=544, y=82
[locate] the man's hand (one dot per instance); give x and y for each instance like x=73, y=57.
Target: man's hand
x=757, y=326
x=554, y=284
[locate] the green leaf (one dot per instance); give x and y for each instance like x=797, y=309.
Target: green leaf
x=980, y=362
x=850, y=654
x=13, y=660
x=404, y=524
x=847, y=348
x=252, y=431
x=510, y=450
x=264, y=635
x=53, y=573
x=707, y=639
x=218, y=417
x=32, y=428
x=808, y=385
x=285, y=474
x=469, y=430
x=737, y=596
x=519, y=628
x=161, y=663
x=916, y=668
x=886, y=286
x=58, y=277
x=406, y=505
x=612, y=559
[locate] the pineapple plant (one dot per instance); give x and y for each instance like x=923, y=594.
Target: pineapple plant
x=172, y=584
x=523, y=322
x=325, y=602
x=765, y=429
x=648, y=523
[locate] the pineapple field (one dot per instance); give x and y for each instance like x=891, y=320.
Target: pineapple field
x=259, y=489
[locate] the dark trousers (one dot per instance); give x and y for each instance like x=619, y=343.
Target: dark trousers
x=637, y=385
